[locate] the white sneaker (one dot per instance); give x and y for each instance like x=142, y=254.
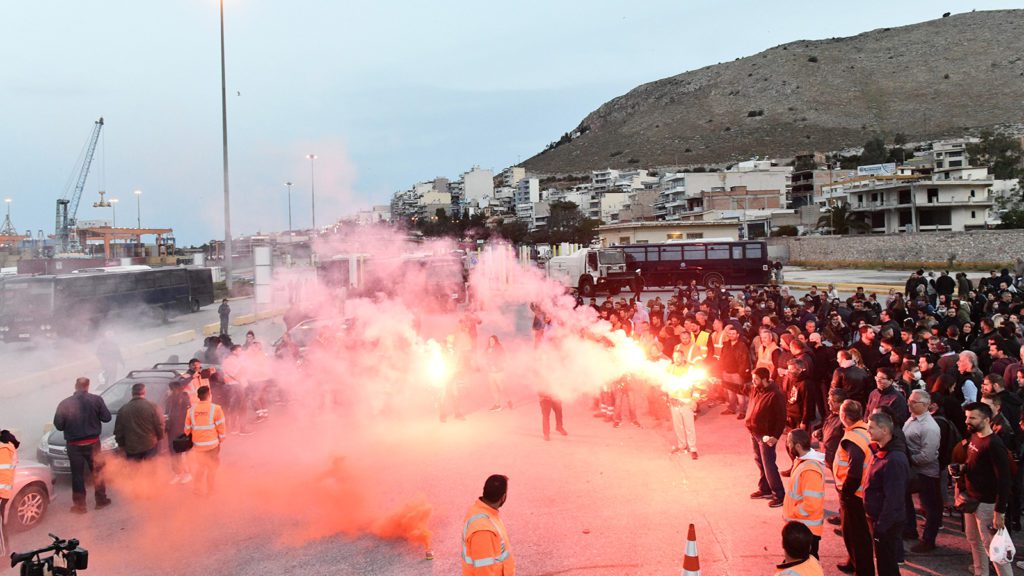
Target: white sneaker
x=186, y=478
x=176, y=479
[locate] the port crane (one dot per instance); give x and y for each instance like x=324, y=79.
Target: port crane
x=67, y=206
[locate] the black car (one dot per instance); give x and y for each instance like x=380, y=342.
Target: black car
x=52, y=449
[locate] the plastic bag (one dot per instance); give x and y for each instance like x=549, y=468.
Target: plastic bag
x=1001, y=550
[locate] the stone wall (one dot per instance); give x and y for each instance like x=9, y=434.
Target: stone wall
x=980, y=247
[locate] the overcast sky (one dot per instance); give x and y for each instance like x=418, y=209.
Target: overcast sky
x=385, y=93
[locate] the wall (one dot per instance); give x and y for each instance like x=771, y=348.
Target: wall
x=966, y=248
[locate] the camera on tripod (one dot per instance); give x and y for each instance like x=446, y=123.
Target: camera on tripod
x=68, y=552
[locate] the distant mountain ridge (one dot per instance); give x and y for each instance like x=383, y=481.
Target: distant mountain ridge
x=937, y=78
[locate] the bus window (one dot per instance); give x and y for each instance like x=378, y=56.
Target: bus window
x=754, y=251
x=693, y=253
x=672, y=253
x=718, y=252
x=653, y=254
x=737, y=252
x=636, y=254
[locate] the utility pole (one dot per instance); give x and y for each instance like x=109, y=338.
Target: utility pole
x=224, y=130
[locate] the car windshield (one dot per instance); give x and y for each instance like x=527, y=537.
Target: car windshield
x=611, y=257
x=118, y=394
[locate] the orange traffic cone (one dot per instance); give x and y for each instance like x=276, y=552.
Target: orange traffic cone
x=691, y=563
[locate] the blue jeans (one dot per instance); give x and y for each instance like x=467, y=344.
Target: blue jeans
x=770, y=480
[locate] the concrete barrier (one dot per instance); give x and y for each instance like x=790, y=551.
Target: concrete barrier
x=211, y=329
x=243, y=319
x=180, y=338
x=846, y=286
x=266, y=314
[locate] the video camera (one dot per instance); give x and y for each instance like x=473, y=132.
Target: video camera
x=74, y=559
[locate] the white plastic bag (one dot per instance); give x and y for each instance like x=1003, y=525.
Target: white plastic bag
x=1001, y=550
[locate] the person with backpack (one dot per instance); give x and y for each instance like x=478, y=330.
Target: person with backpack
x=949, y=438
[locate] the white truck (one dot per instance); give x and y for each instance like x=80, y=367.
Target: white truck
x=590, y=270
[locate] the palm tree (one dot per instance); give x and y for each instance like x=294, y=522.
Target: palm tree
x=841, y=220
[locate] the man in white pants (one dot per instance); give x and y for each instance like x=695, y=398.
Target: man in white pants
x=682, y=399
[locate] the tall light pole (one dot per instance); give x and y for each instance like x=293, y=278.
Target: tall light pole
x=224, y=130
x=289, y=185
x=138, y=210
x=312, y=187
x=113, y=205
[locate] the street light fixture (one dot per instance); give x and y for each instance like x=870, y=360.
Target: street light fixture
x=289, y=185
x=138, y=210
x=224, y=132
x=312, y=186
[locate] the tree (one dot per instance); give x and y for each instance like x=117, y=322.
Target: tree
x=874, y=151
x=514, y=231
x=1000, y=153
x=841, y=220
x=786, y=230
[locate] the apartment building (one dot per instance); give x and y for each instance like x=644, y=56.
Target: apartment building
x=957, y=200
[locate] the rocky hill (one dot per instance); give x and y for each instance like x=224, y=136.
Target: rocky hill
x=927, y=80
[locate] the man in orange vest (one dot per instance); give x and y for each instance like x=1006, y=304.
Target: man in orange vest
x=853, y=460
x=486, y=550
x=205, y=422
x=796, y=543
x=805, y=499
x=8, y=462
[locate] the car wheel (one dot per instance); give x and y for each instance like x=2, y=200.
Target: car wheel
x=194, y=307
x=28, y=507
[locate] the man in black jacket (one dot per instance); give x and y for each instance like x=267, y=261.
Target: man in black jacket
x=766, y=422
x=139, y=427
x=80, y=417
x=885, y=495
x=852, y=379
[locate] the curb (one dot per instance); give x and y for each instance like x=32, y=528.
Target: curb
x=845, y=285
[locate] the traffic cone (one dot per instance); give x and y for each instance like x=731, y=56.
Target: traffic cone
x=691, y=562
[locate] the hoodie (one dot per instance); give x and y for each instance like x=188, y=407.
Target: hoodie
x=885, y=495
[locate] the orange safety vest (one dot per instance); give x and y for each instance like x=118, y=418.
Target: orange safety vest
x=716, y=344
x=8, y=462
x=205, y=422
x=805, y=500
x=764, y=356
x=858, y=434
x=809, y=567
x=490, y=561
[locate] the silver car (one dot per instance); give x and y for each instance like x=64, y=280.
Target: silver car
x=33, y=492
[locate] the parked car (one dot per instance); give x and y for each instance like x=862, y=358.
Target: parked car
x=33, y=492
x=52, y=450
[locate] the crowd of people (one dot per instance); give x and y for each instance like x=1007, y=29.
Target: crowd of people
x=917, y=393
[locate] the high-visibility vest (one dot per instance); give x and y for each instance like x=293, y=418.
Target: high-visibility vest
x=764, y=356
x=809, y=567
x=716, y=343
x=858, y=434
x=692, y=352
x=682, y=394
x=700, y=337
x=205, y=421
x=483, y=518
x=8, y=462
x=805, y=500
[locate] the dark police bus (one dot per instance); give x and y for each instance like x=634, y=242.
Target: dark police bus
x=76, y=303
x=712, y=263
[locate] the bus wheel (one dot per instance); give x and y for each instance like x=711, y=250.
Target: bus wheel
x=586, y=287
x=193, y=306
x=713, y=280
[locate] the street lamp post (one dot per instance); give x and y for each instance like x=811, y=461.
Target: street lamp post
x=289, y=185
x=312, y=187
x=113, y=205
x=138, y=210
x=224, y=132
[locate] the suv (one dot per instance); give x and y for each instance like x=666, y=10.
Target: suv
x=52, y=449
x=33, y=492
